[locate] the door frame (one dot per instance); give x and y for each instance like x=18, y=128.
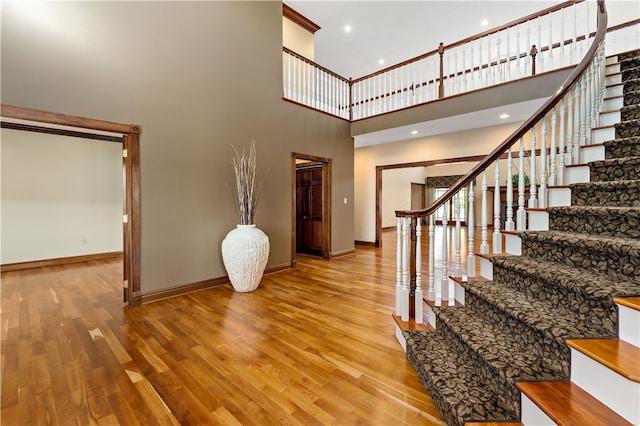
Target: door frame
x=131, y=183
x=326, y=203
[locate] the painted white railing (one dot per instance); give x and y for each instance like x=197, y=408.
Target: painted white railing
x=310, y=84
x=546, y=144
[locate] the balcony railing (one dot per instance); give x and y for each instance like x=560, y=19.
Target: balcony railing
x=551, y=39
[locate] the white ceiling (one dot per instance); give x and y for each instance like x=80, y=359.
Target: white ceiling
x=400, y=30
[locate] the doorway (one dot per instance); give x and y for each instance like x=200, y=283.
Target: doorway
x=311, y=207
x=131, y=182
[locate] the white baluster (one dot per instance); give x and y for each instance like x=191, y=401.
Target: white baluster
x=560, y=173
x=458, y=236
x=509, y=224
x=570, y=132
x=471, y=256
x=518, y=59
x=405, y=269
x=431, y=294
x=508, y=62
x=533, y=198
x=542, y=193
x=574, y=45
x=588, y=83
x=497, y=236
x=418, y=295
x=444, y=279
x=399, y=267
x=550, y=25
x=540, y=57
x=578, y=131
x=484, y=243
x=552, y=169
x=521, y=219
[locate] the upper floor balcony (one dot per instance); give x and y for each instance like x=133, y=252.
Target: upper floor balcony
x=553, y=39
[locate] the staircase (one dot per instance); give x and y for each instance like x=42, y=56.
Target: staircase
x=553, y=336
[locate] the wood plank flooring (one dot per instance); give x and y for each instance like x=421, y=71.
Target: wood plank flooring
x=313, y=345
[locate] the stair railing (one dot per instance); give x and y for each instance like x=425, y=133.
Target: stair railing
x=548, y=141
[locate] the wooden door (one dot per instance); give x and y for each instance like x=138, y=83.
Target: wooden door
x=309, y=217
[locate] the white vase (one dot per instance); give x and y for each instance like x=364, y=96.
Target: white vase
x=245, y=251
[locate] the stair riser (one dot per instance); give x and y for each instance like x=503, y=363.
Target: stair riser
x=532, y=414
x=617, y=392
x=601, y=258
x=609, y=171
x=506, y=391
x=536, y=341
x=592, y=153
x=587, y=195
x=601, y=312
x=629, y=325
x=603, y=134
x=621, y=148
x=611, y=224
x=614, y=103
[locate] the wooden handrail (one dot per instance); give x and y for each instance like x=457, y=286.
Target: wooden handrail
x=525, y=127
x=310, y=62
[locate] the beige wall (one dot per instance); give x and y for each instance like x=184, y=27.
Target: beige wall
x=198, y=77
x=298, y=39
x=61, y=196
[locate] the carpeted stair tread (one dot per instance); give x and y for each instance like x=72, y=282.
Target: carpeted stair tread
x=601, y=220
x=624, y=147
x=460, y=394
x=630, y=112
x=591, y=242
x=613, y=193
x=629, y=98
x=600, y=286
x=496, y=346
x=617, y=257
x=627, y=168
x=554, y=321
x=630, y=128
x=631, y=86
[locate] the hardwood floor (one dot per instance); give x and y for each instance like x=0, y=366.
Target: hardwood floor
x=313, y=345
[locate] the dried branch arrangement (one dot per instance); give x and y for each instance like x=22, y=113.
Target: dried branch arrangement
x=247, y=184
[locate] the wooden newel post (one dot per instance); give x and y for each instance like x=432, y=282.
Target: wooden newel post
x=441, y=86
x=412, y=269
x=534, y=52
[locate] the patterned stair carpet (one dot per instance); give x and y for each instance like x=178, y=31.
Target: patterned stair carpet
x=514, y=327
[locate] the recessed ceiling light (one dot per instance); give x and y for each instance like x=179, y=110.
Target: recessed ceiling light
x=347, y=28
x=381, y=61
x=503, y=116
x=484, y=23
x=414, y=132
